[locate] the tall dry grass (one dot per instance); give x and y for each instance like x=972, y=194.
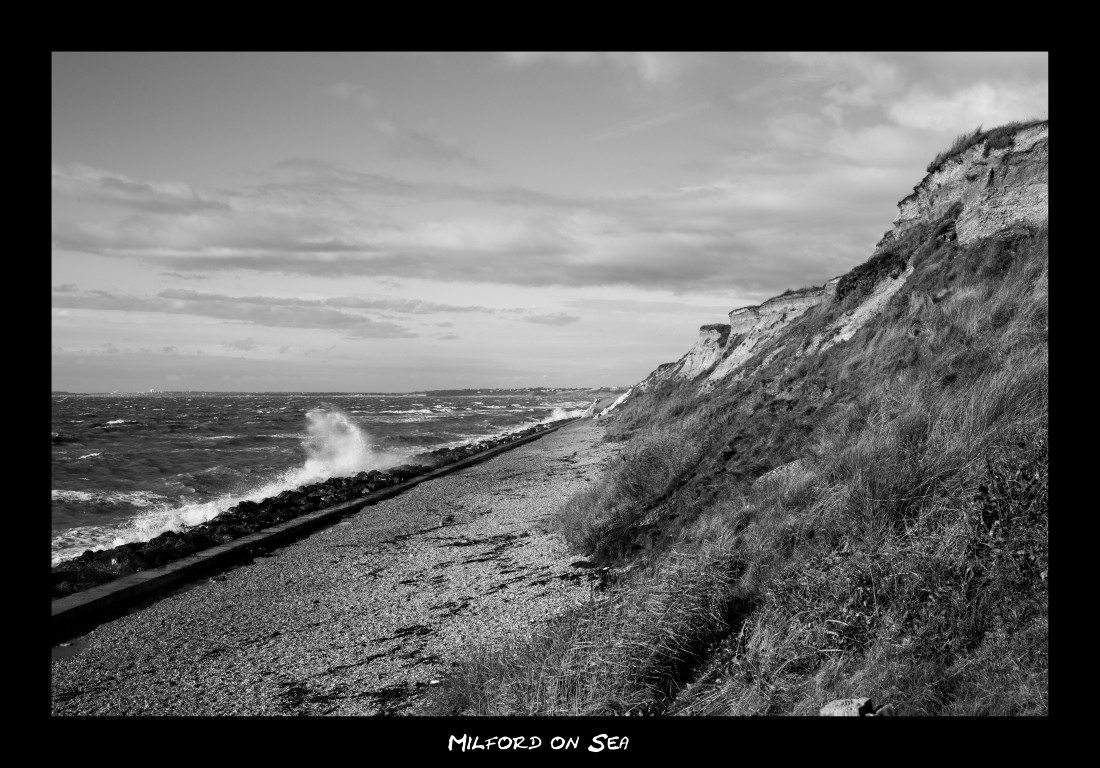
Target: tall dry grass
x=625, y=652
x=904, y=557
x=642, y=475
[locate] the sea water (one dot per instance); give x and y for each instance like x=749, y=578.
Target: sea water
x=129, y=467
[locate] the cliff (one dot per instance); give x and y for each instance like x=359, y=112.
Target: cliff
x=840, y=494
x=995, y=185
x=722, y=347
x=998, y=188
x=751, y=326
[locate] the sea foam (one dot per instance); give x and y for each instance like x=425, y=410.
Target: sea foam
x=334, y=446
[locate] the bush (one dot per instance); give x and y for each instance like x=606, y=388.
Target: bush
x=861, y=280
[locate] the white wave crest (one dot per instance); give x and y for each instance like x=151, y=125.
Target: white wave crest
x=134, y=498
x=334, y=447
x=563, y=413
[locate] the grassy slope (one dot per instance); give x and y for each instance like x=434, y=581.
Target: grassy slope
x=904, y=558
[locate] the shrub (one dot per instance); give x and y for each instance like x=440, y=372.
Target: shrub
x=861, y=280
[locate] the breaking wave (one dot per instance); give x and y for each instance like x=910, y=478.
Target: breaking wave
x=334, y=446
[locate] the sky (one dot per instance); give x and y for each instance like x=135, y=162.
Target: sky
x=395, y=222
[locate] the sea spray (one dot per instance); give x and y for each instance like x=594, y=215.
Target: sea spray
x=564, y=413
x=334, y=446
x=193, y=457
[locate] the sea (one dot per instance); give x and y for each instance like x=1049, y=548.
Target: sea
x=127, y=467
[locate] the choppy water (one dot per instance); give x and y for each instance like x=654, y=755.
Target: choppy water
x=130, y=467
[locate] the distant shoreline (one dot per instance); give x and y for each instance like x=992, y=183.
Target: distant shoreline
x=472, y=392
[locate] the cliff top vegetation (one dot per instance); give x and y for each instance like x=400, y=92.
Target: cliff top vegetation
x=995, y=138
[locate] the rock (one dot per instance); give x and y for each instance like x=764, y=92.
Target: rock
x=855, y=708
x=847, y=708
x=99, y=566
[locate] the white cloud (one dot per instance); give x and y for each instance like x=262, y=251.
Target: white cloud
x=272, y=313
x=879, y=146
x=84, y=182
x=555, y=318
x=425, y=145
x=988, y=104
x=649, y=120
x=854, y=79
x=352, y=92
x=652, y=68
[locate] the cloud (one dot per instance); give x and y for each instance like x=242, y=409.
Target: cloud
x=635, y=306
x=352, y=92
x=65, y=288
x=411, y=306
x=284, y=349
x=170, y=350
x=318, y=219
x=245, y=345
x=424, y=146
x=859, y=80
x=186, y=275
x=988, y=103
x=110, y=348
x=557, y=318
x=880, y=146
x=650, y=120
x=572, y=58
x=271, y=313
x=448, y=337
x=651, y=68
x=311, y=179
x=86, y=183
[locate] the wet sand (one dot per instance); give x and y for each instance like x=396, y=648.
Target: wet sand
x=359, y=618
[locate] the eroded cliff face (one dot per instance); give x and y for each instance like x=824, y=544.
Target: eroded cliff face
x=752, y=326
x=997, y=190
x=721, y=348
x=705, y=353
